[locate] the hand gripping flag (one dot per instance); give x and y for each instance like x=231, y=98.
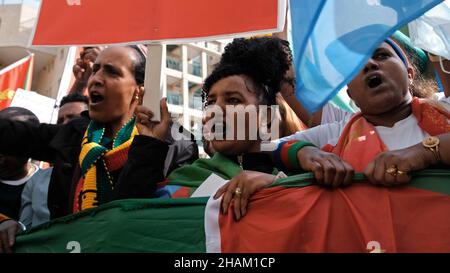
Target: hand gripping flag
x=293, y=215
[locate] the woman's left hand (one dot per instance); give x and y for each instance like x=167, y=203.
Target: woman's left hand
x=155, y=129
x=393, y=168
x=240, y=189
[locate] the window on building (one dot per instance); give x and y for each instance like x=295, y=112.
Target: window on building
x=194, y=61
x=195, y=96
x=174, y=91
x=173, y=57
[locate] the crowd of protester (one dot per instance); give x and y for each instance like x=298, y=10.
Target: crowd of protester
x=106, y=145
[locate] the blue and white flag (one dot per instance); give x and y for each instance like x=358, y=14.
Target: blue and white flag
x=333, y=39
x=432, y=30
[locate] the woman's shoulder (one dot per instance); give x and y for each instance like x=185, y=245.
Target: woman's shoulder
x=320, y=135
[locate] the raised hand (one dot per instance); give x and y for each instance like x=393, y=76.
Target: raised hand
x=82, y=69
x=147, y=127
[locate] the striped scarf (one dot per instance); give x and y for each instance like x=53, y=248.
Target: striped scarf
x=96, y=184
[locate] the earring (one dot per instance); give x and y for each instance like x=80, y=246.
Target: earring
x=136, y=97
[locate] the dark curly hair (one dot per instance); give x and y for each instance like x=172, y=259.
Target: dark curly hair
x=74, y=97
x=264, y=59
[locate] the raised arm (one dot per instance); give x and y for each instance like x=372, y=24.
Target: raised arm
x=145, y=165
x=22, y=139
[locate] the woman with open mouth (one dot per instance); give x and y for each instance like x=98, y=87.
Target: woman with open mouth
x=393, y=135
x=94, y=156
x=249, y=75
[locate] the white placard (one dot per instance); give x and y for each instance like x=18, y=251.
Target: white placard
x=209, y=186
x=154, y=78
x=40, y=105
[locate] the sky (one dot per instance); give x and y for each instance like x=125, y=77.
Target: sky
x=30, y=2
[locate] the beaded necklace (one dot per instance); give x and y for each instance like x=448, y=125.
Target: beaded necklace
x=97, y=162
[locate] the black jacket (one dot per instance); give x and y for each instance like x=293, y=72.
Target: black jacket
x=61, y=145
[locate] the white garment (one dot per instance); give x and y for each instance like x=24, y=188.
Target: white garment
x=331, y=113
x=320, y=135
x=443, y=99
x=403, y=134
x=439, y=96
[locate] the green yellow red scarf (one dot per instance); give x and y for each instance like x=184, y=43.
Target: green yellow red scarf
x=97, y=162
x=359, y=143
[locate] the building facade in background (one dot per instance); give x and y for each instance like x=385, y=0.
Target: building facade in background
x=187, y=66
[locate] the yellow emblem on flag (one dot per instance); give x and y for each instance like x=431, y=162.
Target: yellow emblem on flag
x=7, y=94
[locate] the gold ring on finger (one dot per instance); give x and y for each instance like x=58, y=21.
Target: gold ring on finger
x=238, y=191
x=392, y=170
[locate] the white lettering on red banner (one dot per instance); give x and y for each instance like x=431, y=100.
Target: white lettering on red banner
x=73, y=2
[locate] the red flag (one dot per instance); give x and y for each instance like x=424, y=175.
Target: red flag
x=17, y=75
x=82, y=22
x=360, y=218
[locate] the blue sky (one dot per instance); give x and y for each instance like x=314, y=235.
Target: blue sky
x=31, y=2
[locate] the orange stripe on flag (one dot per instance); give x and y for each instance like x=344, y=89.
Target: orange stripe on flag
x=78, y=22
x=354, y=219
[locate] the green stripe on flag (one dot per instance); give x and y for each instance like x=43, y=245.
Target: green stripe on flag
x=436, y=180
x=135, y=225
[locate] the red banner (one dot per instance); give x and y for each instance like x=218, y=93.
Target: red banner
x=82, y=22
x=17, y=75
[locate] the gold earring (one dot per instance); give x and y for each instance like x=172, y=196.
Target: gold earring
x=136, y=97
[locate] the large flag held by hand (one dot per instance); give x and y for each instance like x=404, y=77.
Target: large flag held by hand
x=292, y=215
x=17, y=75
x=83, y=22
x=333, y=39
x=296, y=216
